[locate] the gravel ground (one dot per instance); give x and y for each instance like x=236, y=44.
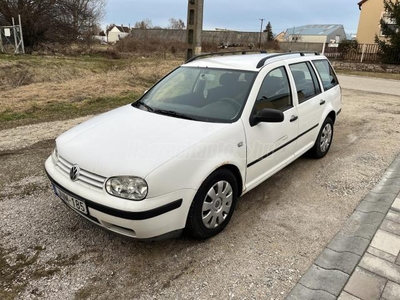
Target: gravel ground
x=278, y=229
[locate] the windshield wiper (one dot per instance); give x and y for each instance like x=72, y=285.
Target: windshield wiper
x=172, y=114
x=149, y=108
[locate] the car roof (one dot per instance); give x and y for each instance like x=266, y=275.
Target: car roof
x=247, y=62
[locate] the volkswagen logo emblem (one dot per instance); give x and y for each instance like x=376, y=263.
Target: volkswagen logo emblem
x=74, y=172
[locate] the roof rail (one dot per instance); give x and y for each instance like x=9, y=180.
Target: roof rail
x=223, y=53
x=262, y=61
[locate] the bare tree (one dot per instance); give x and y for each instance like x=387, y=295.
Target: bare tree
x=60, y=21
x=144, y=24
x=176, y=24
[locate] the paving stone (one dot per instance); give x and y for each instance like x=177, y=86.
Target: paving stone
x=342, y=243
x=387, y=242
x=391, y=291
x=300, y=292
x=394, y=167
x=374, y=197
x=393, y=216
x=380, y=267
x=346, y=296
x=382, y=254
x=331, y=281
x=383, y=189
x=397, y=262
x=392, y=174
x=396, y=205
x=367, y=217
x=342, y=261
x=380, y=207
x=365, y=285
x=389, y=181
x=390, y=226
x=366, y=231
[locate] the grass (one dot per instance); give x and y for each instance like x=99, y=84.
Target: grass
x=35, y=89
x=63, y=110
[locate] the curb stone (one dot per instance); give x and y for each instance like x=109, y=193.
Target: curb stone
x=330, y=272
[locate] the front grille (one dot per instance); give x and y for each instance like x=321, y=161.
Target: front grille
x=86, y=177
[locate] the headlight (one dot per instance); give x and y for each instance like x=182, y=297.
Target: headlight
x=128, y=187
x=54, y=155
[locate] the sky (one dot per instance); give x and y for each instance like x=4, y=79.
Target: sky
x=238, y=15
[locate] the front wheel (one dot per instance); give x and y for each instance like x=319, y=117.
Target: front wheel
x=324, y=140
x=213, y=205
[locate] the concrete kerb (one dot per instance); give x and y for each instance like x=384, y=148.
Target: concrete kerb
x=330, y=272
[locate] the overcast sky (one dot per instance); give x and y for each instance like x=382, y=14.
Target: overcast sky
x=241, y=15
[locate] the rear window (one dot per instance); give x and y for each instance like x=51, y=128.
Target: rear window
x=328, y=77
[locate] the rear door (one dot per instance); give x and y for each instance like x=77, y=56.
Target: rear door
x=310, y=104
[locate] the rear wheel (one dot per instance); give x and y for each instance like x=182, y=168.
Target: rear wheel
x=213, y=205
x=324, y=140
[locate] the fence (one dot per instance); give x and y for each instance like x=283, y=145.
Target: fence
x=368, y=53
x=11, y=38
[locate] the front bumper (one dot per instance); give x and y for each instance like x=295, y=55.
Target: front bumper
x=144, y=219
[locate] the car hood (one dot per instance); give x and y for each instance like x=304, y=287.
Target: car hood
x=130, y=141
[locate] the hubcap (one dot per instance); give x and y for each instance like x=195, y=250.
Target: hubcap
x=217, y=204
x=326, y=137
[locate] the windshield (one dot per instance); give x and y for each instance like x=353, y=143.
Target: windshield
x=203, y=94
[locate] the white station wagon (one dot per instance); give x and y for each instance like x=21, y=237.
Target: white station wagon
x=208, y=132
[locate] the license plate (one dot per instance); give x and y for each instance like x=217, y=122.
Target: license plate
x=76, y=204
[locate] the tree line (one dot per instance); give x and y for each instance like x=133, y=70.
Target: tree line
x=148, y=24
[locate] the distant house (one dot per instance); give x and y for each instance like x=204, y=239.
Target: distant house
x=280, y=37
x=316, y=33
x=372, y=11
x=117, y=33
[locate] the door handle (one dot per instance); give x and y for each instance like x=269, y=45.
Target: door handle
x=293, y=118
x=322, y=102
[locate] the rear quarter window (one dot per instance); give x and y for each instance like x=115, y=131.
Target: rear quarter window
x=325, y=71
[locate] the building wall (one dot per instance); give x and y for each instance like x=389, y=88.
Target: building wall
x=114, y=35
x=208, y=36
x=338, y=32
x=368, y=26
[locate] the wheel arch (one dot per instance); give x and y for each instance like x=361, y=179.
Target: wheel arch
x=332, y=115
x=235, y=171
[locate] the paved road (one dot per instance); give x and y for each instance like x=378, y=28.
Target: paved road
x=375, y=85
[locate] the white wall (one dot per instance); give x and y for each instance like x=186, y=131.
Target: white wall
x=114, y=35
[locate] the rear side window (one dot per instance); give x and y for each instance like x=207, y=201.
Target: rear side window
x=328, y=77
x=307, y=85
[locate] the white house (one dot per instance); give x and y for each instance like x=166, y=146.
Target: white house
x=316, y=33
x=117, y=33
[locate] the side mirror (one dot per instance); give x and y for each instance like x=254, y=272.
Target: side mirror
x=267, y=115
x=145, y=92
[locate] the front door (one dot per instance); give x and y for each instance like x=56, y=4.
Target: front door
x=271, y=146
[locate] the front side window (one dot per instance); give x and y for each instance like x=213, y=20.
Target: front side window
x=203, y=94
x=326, y=73
x=306, y=82
x=275, y=91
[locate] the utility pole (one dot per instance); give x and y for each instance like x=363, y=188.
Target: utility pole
x=194, y=27
x=259, y=42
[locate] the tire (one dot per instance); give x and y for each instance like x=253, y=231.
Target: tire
x=213, y=205
x=324, y=140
